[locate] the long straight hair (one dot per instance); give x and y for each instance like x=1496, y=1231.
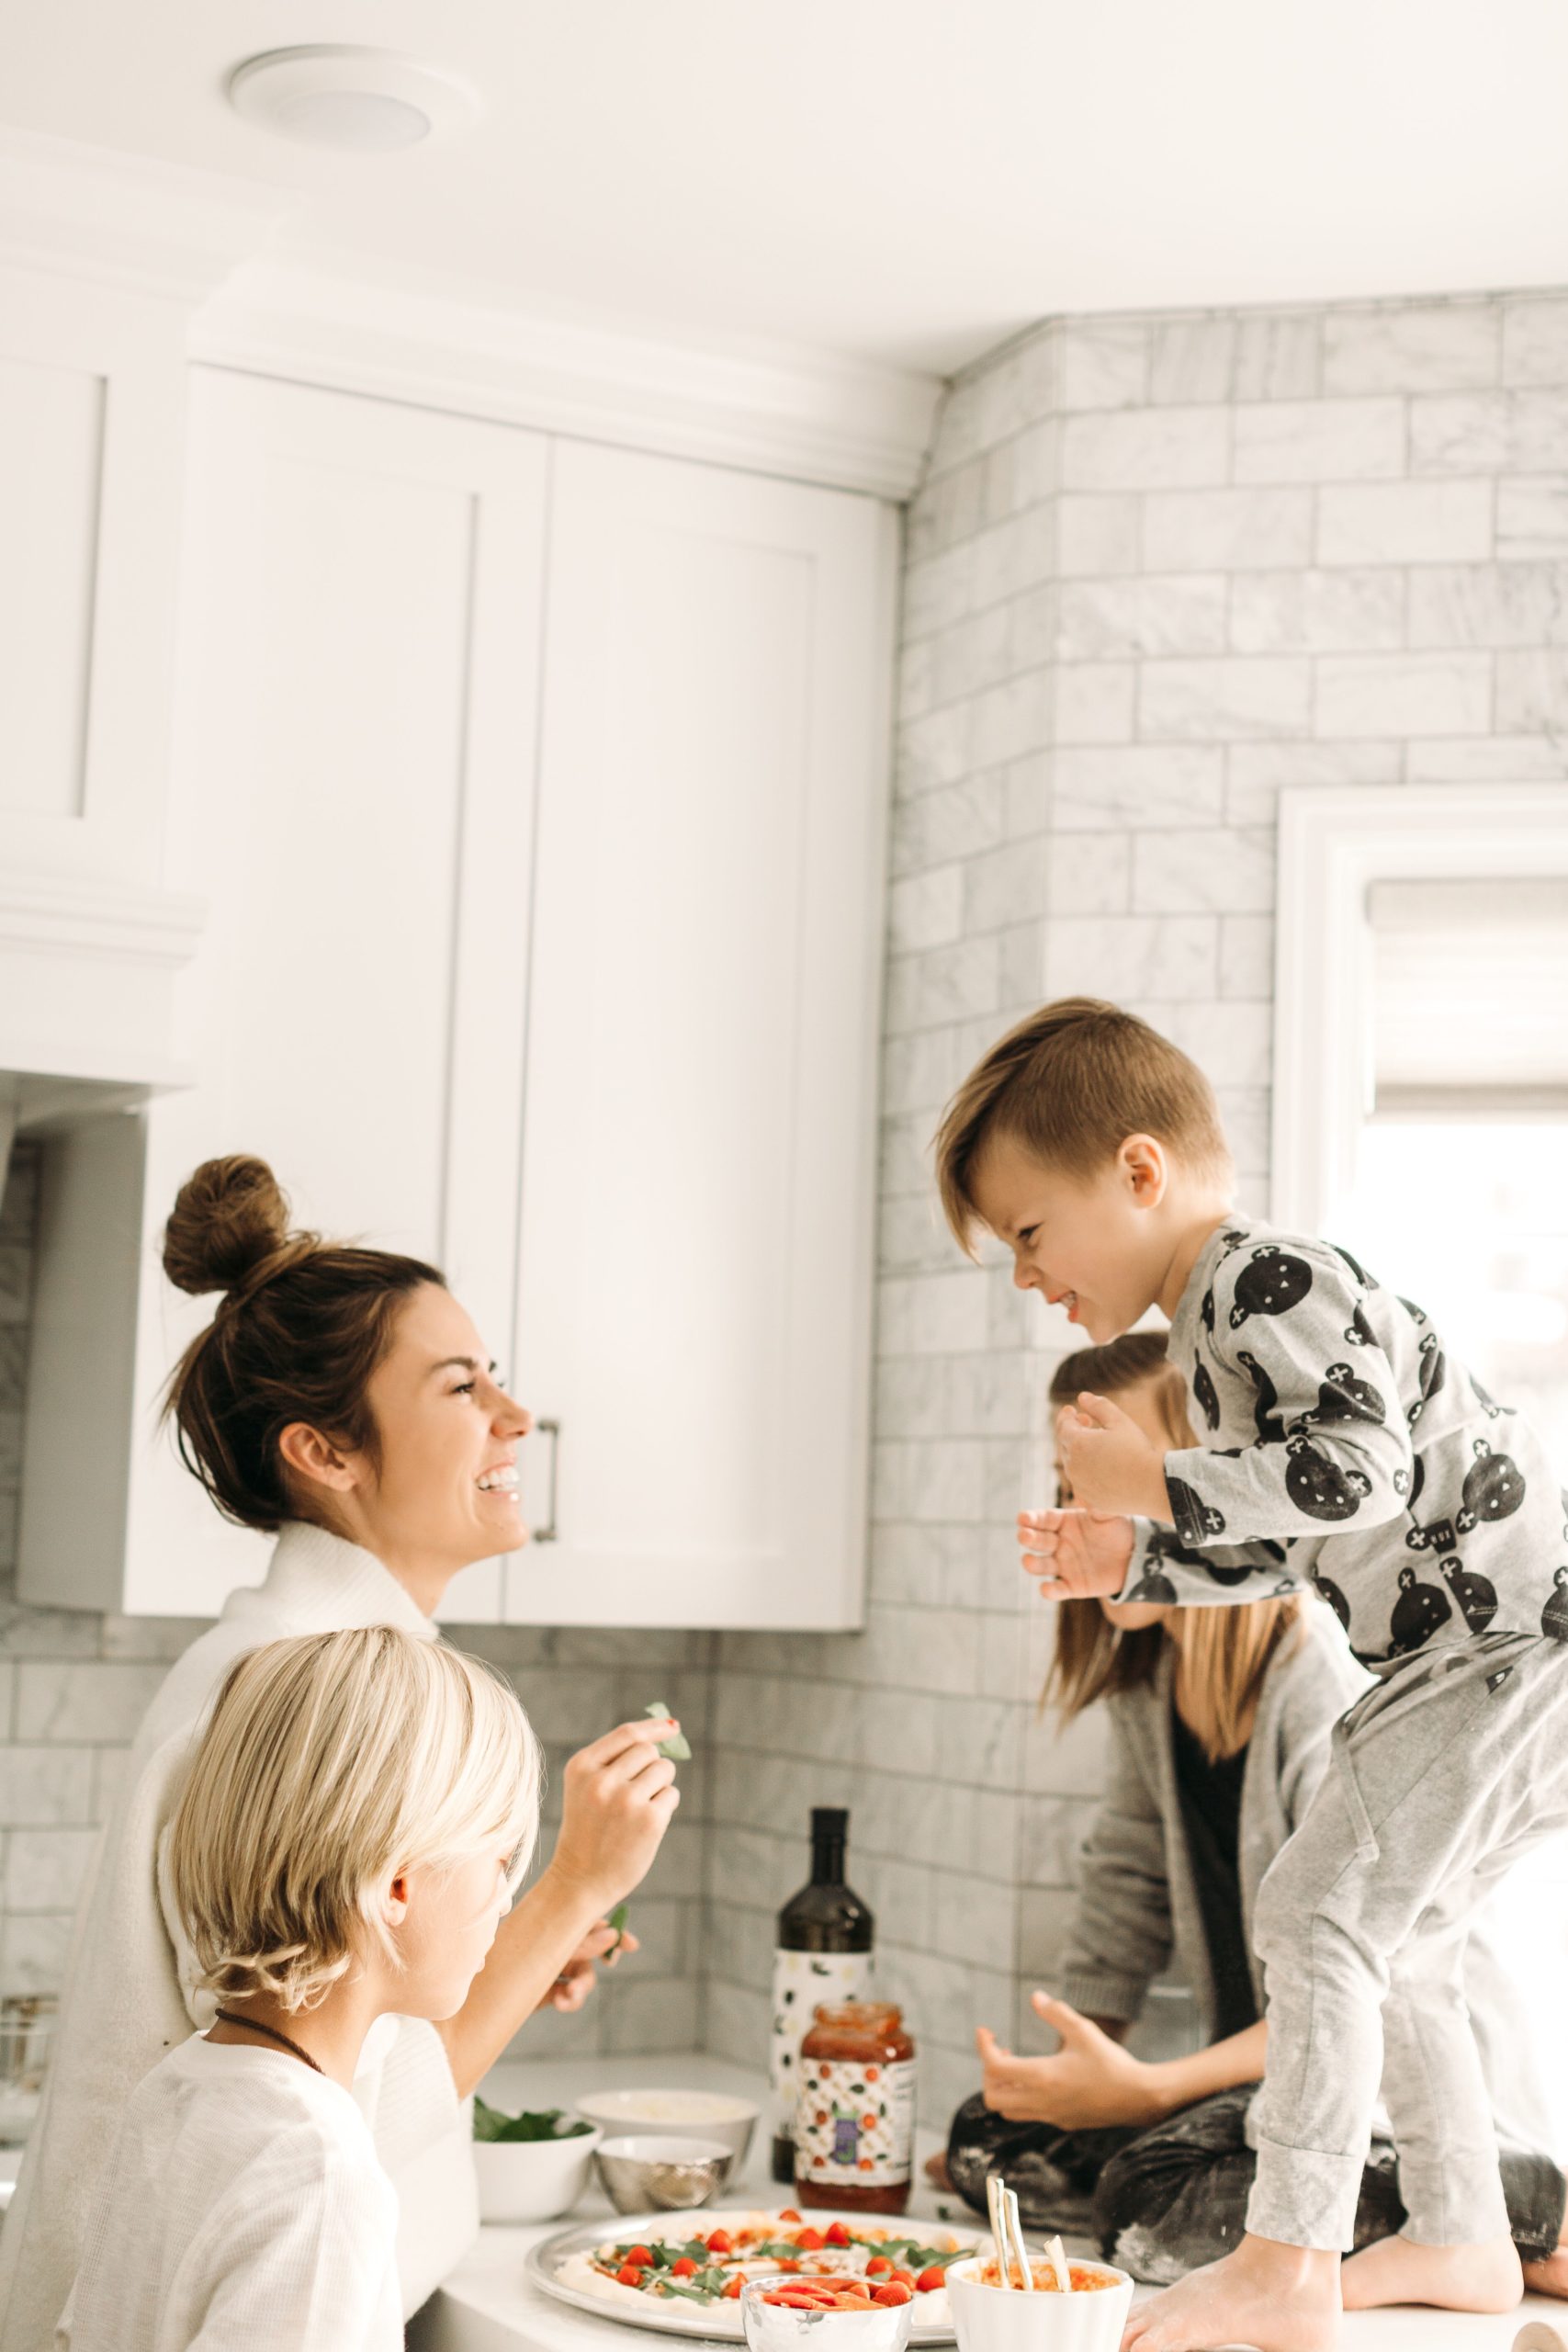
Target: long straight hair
x=1225, y=1651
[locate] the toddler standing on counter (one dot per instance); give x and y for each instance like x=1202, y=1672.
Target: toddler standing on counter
x=1219, y=1727
x=357, y=1813
x=1344, y=1448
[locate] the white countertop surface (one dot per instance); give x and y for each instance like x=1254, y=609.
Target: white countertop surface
x=486, y=2304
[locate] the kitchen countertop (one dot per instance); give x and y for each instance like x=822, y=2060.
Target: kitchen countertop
x=488, y=2305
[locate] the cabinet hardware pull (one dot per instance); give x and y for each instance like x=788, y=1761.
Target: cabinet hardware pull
x=550, y=1533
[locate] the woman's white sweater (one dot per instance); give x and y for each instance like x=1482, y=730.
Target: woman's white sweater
x=128, y=1999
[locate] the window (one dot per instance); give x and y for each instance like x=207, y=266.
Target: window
x=1421, y=1116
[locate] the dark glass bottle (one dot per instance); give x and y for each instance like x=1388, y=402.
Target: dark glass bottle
x=823, y=1953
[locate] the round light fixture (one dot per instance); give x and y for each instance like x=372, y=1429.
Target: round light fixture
x=371, y=101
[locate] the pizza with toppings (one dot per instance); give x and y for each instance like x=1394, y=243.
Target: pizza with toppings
x=687, y=2272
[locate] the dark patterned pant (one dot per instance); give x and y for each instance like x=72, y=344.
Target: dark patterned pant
x=1160, y=2202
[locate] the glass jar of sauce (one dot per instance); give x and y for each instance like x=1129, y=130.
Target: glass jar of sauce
x=854, y=2123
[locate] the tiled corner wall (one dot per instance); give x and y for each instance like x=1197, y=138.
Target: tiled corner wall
x=1161, y=567
x=73, y=1686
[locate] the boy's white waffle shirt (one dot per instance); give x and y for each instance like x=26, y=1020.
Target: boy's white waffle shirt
x=1342, y=1445
x=242, y=2206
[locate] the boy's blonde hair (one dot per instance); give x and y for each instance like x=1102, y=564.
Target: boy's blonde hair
x=1226, y=1651
x=1070, y=1084
x=331, y=1762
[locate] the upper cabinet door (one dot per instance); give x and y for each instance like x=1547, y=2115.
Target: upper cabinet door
x=356, y=740
x=696, y=1269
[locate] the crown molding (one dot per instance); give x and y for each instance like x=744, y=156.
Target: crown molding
x=265, y=302
x=813, y=416
x=128, y=221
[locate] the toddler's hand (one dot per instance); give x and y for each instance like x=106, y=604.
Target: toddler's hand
x=1107, y=1461
x=1077, y=1554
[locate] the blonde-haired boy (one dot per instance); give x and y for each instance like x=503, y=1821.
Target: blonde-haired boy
x=1343, y=1446
x=357, y=1813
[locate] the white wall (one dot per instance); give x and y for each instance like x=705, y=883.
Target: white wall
x=1160, y=567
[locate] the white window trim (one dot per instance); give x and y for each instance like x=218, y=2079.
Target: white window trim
x=1331, y=845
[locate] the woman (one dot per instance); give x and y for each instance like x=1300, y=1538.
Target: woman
x=1220, y=1726
x=342, y=1400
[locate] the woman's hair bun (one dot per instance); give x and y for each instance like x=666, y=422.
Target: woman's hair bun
x=228, y=1217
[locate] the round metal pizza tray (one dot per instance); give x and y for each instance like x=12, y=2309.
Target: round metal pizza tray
x=720, y=2323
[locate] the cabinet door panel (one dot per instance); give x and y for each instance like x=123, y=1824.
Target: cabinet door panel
x=355, y=782
x=700, y=1113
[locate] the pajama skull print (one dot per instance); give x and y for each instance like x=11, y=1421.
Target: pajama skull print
x=1346, y=1449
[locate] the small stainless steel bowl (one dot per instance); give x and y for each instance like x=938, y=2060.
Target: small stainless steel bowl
x=665, y=2175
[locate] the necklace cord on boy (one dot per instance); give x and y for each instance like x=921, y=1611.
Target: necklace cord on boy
x=254, y=2025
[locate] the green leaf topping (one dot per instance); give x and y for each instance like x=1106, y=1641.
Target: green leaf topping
x=677, y=1750
x=550, y=2123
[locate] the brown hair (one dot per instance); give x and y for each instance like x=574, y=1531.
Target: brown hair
x=304, y=1325
x=1070, y=1084
x=1225, y=1651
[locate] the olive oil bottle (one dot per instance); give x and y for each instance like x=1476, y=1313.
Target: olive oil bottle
x=823, y=1952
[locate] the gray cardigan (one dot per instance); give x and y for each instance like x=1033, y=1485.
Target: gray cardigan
x=1138, y=1906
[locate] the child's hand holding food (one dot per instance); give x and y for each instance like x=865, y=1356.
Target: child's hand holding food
x=1075, y=1555
x=1107, y=1461
x=1090, y=2081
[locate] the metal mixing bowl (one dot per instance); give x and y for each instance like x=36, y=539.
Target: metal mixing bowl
x=666, y=2174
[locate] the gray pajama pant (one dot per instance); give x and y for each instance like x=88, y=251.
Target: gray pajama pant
x=1442, y=1777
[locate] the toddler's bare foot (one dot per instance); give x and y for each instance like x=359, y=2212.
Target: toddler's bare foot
x=938, y=2174
x=1454, y=2278
x=1550, y=2275
x=1276, y=2298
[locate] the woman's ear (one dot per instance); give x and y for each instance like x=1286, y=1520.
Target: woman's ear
x=314, y=1457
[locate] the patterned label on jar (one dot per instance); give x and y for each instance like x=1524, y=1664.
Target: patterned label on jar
x=854, y=2124
x=802, y=1979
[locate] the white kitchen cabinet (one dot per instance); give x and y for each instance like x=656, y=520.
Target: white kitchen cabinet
x=92, y=401
x=700, y=1128
x=537, y=792
x=352, y=796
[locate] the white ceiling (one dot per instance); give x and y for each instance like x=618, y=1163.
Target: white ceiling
x=905, y=181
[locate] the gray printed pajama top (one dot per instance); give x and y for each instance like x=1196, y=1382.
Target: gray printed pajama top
x=1344, y=1447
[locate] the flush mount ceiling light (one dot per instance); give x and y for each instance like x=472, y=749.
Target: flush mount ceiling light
x=368, y=99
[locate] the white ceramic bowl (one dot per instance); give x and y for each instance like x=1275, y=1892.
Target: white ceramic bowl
x=773, y=2327
x=1002, y=2319
x=674, y=2115
x=532, y=2180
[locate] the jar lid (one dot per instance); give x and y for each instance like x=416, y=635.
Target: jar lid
x=853, y=2013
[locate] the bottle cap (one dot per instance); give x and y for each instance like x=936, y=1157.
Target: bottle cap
x=829, y=1821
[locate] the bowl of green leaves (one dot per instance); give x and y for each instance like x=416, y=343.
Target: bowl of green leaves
x=531, y=2167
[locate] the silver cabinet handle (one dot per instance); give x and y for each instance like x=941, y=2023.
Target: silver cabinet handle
x=550, y=1532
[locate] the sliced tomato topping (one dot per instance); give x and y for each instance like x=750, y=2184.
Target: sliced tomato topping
x=721, y=2243
x=732, y=2291
x=837, y=2234
x=628, y=2276
x=895, y=2291
x=929, y=2281
x=811, y=2240
x=788, y=2214
x=638, y=2258
x=878, y=2262
x=685, y=2268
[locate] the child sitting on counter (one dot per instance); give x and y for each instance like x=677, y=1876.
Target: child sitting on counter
x=1343, y=1447
x=357, y=1815
x=1220, y=1722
